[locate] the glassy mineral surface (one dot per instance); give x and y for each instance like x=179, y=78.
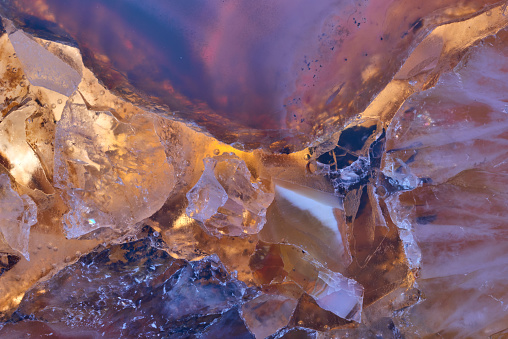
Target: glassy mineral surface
x=297, y=169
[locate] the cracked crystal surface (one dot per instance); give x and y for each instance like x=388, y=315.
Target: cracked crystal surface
x=322, y=170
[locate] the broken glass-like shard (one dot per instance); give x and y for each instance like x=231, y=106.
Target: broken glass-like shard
x=111, y=170
x=227, y=199
x=17, y=215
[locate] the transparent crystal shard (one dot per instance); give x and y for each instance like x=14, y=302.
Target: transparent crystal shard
x=17, y=215
x=12, y=86
x=331, y=290
x=339, y=295
x=114, y=173
x=207, y=196
x=309, y=315
x=227, y=199
x=268, y=313
x=402, y=217
x=42, y=68
x=17, y=156
x=229, y=325
x=311, y=220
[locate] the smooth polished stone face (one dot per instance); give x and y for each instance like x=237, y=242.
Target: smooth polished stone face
x=262, y=74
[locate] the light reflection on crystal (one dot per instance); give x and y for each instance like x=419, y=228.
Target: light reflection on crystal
x=42, y=68
x=17, y=215
x=227, y=200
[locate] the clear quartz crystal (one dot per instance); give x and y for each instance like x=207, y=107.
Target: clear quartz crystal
x=17, y=215
x=42, y=68
x=227, y=199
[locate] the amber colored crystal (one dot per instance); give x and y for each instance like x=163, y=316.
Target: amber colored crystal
x=295, y=169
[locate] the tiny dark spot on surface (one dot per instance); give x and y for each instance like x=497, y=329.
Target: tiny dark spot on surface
x=381, y=38
x=426, y=180
x=426, y=219
x=417, y=25
x=345, y=59
x=5, y=162
x=285, y=150
x=411, y=159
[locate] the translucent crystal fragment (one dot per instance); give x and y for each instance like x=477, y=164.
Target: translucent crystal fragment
x=452, y=138
x=42, y=68
x=268, y=313
x=309, y=219
x=308, y=314
x=114, y=173
x=17, y=215
x=339, y=295
x=17, y=156
x=229, y=325
x=331, y=290
x=135, y=289
x=207, y=196
x=227, y=199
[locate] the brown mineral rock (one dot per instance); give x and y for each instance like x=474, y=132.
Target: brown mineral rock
x=295, y=169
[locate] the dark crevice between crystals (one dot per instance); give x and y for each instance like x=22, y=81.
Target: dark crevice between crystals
x=7, y=261
x=37, y=27
x=348, y=170
x=351, y=140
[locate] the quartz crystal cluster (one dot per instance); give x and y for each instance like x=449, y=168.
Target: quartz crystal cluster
x=329, y=169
